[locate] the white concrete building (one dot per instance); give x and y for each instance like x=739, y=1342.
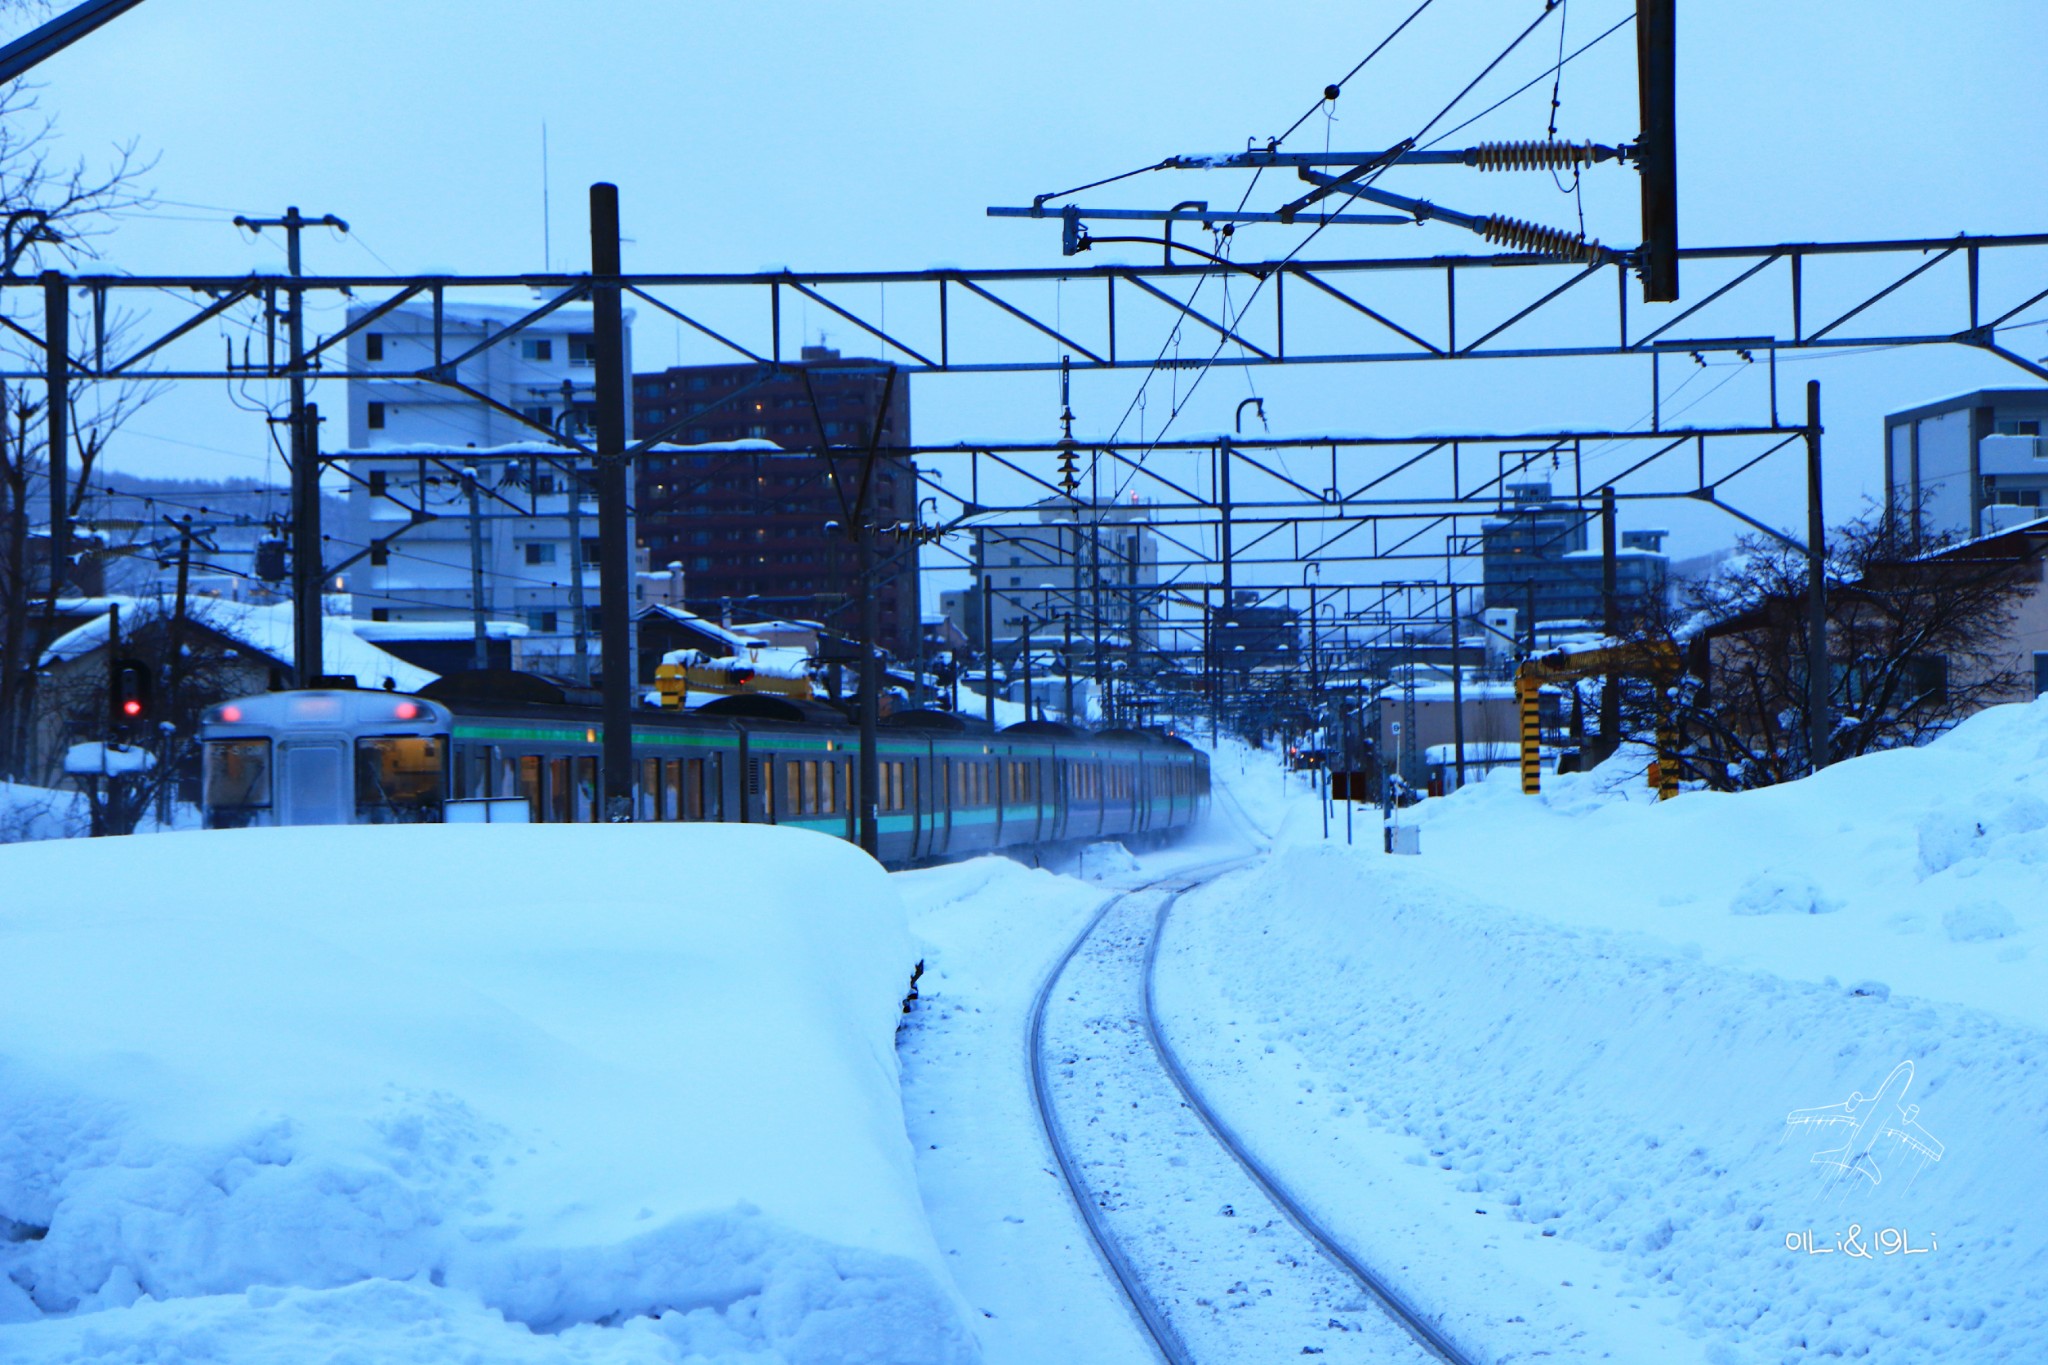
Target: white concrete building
x=1083, y=562
x=532, y=538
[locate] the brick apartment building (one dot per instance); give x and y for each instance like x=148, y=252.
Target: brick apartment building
x=748, y=525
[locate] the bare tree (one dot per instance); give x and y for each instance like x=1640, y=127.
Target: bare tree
x=52, y=214
x=1914, y=645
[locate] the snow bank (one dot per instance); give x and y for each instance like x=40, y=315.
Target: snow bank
x=634, y=1086
x=1590, y=1014
x=1919, y=868
x=1623, y=1097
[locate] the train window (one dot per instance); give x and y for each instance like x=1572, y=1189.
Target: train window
x=400, y=777
x=893, y=784
x=764, y=782
x=828, y=789
x=586, y=788
x=529, y=787
x=647, y=791
x=237, y=774
x=691, y=788
x=793, y=788
x=561, y=792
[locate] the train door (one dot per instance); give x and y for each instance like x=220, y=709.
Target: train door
x=316, y=786
x=942, y=769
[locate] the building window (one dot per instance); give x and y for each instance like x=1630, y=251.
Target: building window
x=542, y=621
x=697, y=382
x=373, y=345
x=376, y=416
x=590, y=549
x=540, y=552
x=533, y=348
x=757, y=430
x=540, y=417
x=582, y=349
x=2019, y=426
x=380, y=613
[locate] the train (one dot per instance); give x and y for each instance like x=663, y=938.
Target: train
x=501, y=745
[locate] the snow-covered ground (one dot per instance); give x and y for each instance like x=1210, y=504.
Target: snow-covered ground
x=1580, y=1022
x=458, y=1092
x=593, y=1093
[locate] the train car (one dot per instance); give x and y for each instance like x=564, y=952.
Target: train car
x=529, y=750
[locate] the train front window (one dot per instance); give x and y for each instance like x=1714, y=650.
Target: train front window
x=237, y=774
x=400, y=778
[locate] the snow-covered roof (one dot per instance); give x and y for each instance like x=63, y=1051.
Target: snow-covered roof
x=437, y=630
x=268, y=631
x=447, y=450
x=1492, y=751
x=732, y=639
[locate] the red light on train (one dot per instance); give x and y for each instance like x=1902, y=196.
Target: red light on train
x=231, y=714
x=407, y=710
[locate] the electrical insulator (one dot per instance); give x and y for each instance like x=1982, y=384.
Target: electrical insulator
x=1535, y=156
x=1542, y=241
x=1070, y=469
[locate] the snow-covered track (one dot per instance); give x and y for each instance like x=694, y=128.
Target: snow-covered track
x=1217, y=1260
x=1425, y=1333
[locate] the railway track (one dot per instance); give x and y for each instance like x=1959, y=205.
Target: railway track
x=1217, y=1258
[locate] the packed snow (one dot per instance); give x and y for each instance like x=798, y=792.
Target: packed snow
x=562, y=1093
x=1581, y=1022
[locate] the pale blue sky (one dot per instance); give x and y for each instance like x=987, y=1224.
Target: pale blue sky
x=839, y=136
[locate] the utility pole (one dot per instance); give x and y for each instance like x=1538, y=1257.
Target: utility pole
x=1610, y=626
x=579, y=614
x=988, y=645
x=480, y=651
x=308, y=573
x=173, y=669
x=1067, y=661
x=1025, y=654
x=870, y=680
x=57, y=422
x=1818, y=726
x=614, y=532
x=1457, y=684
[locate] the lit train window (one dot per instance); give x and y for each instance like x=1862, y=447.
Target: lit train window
x=529, y=787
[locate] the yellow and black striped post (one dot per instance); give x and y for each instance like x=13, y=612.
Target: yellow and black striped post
x=1528, y=691
x=1667, y=761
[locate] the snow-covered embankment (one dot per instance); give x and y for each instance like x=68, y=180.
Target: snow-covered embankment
x=501, y=1092
x=1582, y=1021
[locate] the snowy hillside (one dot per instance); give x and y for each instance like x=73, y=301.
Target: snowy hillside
x=1546, y=1067
x=476, y=1092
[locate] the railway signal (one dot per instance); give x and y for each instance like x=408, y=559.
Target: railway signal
x=128, y=693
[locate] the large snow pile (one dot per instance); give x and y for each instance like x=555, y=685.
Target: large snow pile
x=480, y=1092
x=1585, y=1021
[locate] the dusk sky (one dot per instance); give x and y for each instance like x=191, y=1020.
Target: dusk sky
x=837, y=137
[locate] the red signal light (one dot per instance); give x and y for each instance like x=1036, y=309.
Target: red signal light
x=131, y=707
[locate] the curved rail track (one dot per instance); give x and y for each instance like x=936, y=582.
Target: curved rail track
x=1168, y=1254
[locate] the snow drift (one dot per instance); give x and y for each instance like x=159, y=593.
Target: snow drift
x=1593, y=1013
x=443, y=1088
